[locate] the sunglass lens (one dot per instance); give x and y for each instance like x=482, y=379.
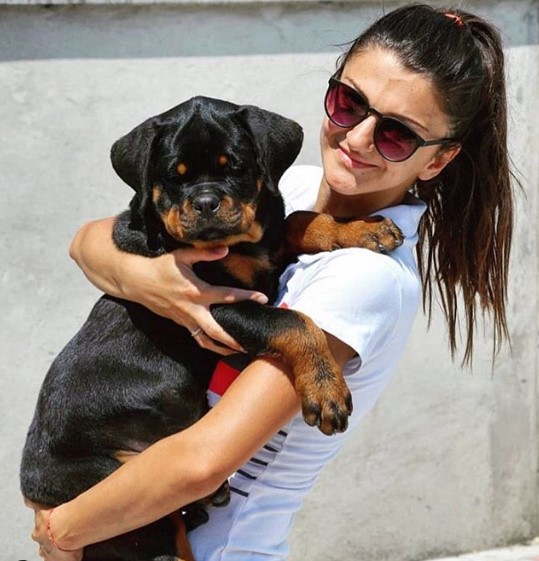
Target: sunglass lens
x=344, y=106
x=394, y=140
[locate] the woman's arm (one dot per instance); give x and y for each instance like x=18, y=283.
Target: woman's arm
x=166, y=284
x=183, y=467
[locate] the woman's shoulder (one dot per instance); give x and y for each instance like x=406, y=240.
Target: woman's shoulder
x=356, y=266
x=354, y=273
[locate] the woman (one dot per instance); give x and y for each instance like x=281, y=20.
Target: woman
x=415, y=131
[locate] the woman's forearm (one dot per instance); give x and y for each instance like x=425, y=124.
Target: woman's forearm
x=166, y=284
x=94, y=251
x=151, y=485
x=183, y=467
x=125, y=275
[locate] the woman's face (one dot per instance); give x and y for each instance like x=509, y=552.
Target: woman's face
x=352, y=165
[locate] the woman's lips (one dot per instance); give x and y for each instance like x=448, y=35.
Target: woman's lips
x=353, y=161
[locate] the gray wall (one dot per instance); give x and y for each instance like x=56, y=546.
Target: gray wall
x=447, y=462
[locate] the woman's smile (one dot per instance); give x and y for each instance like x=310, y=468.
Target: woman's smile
x=353, y=161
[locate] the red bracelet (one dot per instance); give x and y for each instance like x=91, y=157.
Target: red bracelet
x=49, y=533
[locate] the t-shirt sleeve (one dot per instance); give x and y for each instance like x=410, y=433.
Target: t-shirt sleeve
x=353, y=294
x=299, y=187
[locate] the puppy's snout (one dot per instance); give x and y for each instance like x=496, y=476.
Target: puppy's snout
x=206, y=204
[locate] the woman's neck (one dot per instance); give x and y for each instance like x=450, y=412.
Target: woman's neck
x=346, y=206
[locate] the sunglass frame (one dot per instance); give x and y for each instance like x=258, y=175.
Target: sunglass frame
x=420, y=142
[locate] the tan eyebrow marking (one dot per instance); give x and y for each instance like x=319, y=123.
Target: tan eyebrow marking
x=156, y=193
x=181, y=168
x=222, y=160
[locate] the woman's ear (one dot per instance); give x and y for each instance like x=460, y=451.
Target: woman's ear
x=438, y=163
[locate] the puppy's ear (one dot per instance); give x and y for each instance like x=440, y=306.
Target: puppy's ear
x=130, y=156
x=276, y=139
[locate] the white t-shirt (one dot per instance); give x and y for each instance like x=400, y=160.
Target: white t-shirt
x=368, y=301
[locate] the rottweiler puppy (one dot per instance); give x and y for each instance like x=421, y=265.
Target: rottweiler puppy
x=204, y=173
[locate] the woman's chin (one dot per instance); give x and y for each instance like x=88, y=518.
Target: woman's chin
x=343, y=182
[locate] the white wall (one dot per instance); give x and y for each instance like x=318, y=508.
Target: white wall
x=447, y=461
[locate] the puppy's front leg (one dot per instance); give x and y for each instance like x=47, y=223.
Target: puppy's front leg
x=302, y=346
x=311, y=232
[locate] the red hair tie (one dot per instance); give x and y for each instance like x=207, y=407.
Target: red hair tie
x=458, y=19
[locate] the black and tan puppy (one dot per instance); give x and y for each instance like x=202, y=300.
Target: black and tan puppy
x=204, y=172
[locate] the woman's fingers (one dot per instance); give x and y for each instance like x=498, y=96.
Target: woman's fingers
x=219, y=341
x=169, y=287
x=215, y=294
x=39, y=534
x=195, y=314
x=191, y=255
x=210, y=335
x=226, y=295
x=211, y=329
x=208, y=343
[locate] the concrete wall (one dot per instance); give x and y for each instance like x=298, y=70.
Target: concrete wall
x=447, y=462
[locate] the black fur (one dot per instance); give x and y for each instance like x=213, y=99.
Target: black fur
x=129, y=377
x=205, y=172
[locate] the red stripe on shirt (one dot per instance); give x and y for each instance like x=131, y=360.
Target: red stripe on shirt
x=223, y=376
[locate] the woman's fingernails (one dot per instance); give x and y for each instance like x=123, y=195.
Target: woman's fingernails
x=219, y=250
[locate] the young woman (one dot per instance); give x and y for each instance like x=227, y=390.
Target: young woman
x=415, y=130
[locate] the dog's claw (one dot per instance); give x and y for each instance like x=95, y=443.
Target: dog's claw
x=386, y=235
x=376, y=233
x=328, y=407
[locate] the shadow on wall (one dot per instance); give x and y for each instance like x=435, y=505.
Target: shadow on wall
x=131, y=31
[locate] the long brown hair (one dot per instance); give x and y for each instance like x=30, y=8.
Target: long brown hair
x=465, y=234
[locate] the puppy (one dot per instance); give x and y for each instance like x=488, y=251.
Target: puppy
x=204, y=173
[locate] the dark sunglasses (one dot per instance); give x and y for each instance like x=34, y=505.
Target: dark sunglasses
x=393, y=140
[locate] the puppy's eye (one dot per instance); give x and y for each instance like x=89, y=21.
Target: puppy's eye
x=229, y=163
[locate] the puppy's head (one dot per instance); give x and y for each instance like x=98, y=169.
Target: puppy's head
x=201, y=168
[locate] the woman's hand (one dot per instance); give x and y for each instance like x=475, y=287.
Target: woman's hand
x=166, y=285
x=40, y=534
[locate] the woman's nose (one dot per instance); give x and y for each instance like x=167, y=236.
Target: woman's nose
x=361, y=137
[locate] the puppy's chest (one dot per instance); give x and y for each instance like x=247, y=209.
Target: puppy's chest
x=257, y=270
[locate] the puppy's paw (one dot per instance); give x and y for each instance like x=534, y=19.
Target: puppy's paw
x=386, y=234
x=326, y=402
x=221, y=497
x=194, y=515
x=376, y=233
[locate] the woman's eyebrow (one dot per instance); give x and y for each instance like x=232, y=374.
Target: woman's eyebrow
x=395, y=115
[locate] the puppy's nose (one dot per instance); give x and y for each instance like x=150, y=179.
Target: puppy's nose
x=206, y=204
